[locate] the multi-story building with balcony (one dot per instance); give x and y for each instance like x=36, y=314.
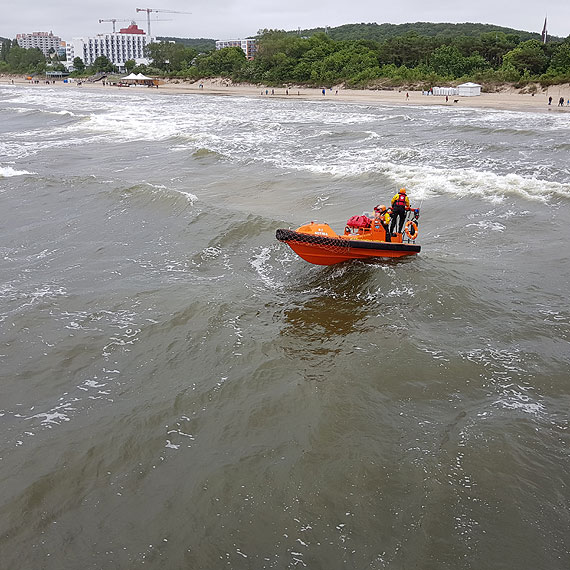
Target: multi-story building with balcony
x=248, y=46
x=118, y=47
x=42, y=40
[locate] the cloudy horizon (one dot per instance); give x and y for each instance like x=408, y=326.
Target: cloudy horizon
x=225, y=19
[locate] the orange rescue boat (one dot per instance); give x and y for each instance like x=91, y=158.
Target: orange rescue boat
x=317, y=243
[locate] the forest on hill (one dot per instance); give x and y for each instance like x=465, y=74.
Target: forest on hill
x=382, y=32
x=201, y=45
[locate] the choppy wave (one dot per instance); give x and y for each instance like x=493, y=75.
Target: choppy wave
x=32, y=111
x=148, y=193
x=205, y=153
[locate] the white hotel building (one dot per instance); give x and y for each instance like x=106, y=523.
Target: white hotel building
x=121, y=46
x=42, y=40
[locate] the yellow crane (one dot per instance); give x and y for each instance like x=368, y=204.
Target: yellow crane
x=149, y=10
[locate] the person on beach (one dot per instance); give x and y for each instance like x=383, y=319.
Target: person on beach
x=550, y=100
x=400, y=205
x=383, y=216
x=561, y=102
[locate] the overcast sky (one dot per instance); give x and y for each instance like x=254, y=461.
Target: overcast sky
x=231, y=19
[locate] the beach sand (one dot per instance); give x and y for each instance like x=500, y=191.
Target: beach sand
x=509, y=99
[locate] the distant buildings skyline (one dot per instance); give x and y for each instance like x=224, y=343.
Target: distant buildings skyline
x=126, y=44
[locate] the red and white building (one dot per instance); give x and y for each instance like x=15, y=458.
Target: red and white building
x=126, y=44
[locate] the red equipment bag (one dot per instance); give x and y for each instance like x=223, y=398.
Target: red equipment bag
x=359, y=222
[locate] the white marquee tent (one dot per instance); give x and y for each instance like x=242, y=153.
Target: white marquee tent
x=469, y=89
x=138, y=79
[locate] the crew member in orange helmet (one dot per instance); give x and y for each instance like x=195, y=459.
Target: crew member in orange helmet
x=400, y=204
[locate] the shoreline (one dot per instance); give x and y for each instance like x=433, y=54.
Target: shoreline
x=505, y=100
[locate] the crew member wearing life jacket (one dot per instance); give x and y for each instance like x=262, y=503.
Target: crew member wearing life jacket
x=400, y=204
x=383, y=216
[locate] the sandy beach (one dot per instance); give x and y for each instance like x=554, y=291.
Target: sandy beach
x=509, y=99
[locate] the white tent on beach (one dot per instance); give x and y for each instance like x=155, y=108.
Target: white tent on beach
x=469, y=89
x=138, y=79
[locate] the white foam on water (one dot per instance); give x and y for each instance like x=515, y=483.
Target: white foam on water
x=54, y=416
x=211, y=252
x=405, y=292
x=8, y=171
x=260, y=262
x=488, y=226
x=512, y=120
x=515, y=400
x=429, y=181
x=319, y=202
x=132, y=124
x=191, y=197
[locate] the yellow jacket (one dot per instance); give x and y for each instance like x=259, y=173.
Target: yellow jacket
x=383, y=217
x=395, y=199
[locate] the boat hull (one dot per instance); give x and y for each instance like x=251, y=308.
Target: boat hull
x=324, y=250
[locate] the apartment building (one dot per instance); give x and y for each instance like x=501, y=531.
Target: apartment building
x=42, y=40
x=248, y=46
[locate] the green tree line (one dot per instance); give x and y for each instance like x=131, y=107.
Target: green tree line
x=285, y=58
x=14, y=59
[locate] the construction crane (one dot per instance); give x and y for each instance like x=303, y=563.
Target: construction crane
x=149, y=10
x=114, y=20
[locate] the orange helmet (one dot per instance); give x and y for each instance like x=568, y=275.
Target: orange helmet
x=402, y=191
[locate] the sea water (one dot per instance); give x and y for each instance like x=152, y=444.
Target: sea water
x=180, y=390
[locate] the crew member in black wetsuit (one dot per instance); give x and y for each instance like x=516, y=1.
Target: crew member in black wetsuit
x=400, y=204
